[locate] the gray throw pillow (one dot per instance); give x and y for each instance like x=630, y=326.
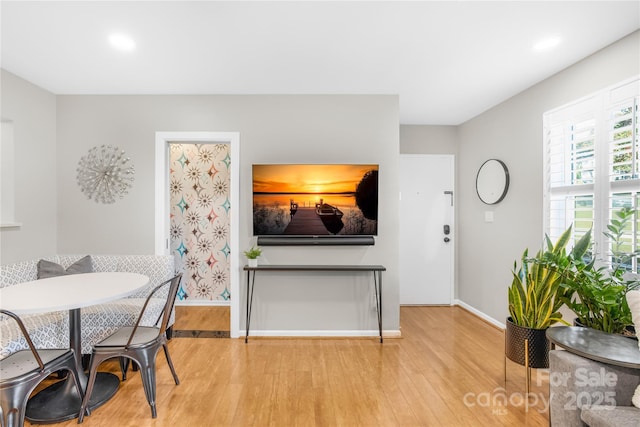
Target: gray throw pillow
x=51, y=269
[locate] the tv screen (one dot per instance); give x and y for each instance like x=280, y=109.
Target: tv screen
x=315, y=200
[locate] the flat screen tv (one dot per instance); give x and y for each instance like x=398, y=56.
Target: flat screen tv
x=315, y=200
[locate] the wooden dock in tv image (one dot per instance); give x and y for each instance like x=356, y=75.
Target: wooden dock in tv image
x=318, y=220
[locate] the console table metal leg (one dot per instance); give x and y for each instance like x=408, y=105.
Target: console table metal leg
x=377, y=282
x=250, y=279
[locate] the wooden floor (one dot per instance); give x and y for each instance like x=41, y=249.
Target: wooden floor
x=205, y=318
x=446, y=370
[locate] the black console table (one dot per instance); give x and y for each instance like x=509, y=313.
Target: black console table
x=375, y=269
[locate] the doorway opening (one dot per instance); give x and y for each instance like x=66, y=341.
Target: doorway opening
x=197, y=222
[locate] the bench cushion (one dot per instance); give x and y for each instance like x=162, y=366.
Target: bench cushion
x=611, y=416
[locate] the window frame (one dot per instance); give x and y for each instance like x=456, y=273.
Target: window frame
x=600, y=106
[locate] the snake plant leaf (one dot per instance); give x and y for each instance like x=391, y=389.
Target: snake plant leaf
x=548, y=243
x=516, y=296
x=563, y=240
x=581, y=246
x=525, y=265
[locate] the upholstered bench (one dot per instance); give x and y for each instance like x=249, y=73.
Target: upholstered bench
x=50, y=330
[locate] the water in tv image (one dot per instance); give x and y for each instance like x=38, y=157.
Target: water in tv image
x=315, y=200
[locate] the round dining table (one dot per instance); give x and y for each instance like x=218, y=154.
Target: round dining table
x=61, y=401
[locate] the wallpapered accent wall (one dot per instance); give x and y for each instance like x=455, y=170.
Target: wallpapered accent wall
x=199, y=193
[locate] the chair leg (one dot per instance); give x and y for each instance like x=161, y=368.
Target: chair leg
x=148, y=374
x=96, y=360
x=173, y=371
x=14, y=404
x=124, y=366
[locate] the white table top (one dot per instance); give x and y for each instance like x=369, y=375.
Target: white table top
x=69, y=292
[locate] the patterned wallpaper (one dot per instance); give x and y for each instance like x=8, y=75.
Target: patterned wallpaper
x=200, y=193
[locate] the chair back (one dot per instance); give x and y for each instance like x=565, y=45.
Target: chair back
x=165, y=314
x=23, y=329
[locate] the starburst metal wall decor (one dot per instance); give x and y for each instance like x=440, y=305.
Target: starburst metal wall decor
x=105, y=174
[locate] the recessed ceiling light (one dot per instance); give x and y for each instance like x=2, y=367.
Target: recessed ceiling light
x=122, y=42
x=547, y=43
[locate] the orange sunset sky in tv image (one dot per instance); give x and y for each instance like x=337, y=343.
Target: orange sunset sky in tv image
x=314, y=179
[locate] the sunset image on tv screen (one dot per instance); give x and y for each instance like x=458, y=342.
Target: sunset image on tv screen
x=314, y=200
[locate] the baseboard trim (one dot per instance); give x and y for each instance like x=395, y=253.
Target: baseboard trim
x=203, y=303
x=480, y=314
x=324, y=333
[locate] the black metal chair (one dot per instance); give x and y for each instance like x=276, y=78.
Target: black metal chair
x=22, y=371
x=138, y=343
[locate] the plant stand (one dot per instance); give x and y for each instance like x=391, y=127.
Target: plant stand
x=525, y=346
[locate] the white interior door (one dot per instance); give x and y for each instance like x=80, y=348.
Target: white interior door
x=426, y=247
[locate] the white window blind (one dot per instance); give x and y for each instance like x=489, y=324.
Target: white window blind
x=592, y=166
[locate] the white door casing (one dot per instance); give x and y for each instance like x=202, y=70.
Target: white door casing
x=426, y=206
x=162, y=224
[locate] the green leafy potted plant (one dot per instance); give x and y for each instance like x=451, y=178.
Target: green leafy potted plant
x=538, y=290
x=252, y=255
x=599, y=298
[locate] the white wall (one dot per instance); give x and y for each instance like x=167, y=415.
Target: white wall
x=33, y=113
x=278, y=129
x=512, y=132
x=418, y=139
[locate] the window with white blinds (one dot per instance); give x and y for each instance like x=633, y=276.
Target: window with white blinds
x=592, y=167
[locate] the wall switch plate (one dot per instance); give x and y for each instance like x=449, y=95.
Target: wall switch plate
x=488, y=216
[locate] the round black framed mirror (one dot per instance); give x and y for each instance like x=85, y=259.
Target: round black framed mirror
x=492, y=181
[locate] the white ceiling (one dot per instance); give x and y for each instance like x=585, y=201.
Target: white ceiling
x=447, y=60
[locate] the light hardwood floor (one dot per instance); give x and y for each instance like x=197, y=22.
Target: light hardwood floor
x=205, y=318
x=446, y=370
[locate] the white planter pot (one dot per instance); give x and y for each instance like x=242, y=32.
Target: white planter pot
x=252, y=262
